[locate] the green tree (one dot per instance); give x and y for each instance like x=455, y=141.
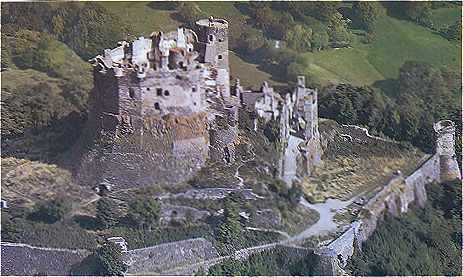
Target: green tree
x=338, y=31
x=109, y=258
x=229, y=232
x=299, y=38
x=53, y=210
x=189, y=13
x=106, y=212
x=251, y=40
x=366, y=14
x=320, y=40
x=144, y=212
x=453, y=32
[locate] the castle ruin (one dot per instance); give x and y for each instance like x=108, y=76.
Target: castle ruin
x=167, y=102
x=445, y=148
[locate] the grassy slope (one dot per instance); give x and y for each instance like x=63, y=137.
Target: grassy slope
x=397, y=41
x=445, y=16
x=145, y=19
x=142, y=18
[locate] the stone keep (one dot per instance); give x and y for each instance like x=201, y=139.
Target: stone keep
x=165, y=102
x=445, y=148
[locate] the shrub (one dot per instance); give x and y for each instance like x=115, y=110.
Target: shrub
x=53, y=210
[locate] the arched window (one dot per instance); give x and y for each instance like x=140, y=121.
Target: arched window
x=219, y=57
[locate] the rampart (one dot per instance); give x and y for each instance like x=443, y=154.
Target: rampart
x=394, y=199
x=22, y=259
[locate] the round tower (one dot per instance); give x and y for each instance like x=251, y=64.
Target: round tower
x=445, y=148
x=213, y=40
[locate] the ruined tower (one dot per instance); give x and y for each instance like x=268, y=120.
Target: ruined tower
x=213, y=49
x=307, y=107
x=445, y=148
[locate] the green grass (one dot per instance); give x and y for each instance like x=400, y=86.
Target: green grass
x=220, y=9
x=397, y=41
x=142, y=18
x=445, y=16
x=248, y=73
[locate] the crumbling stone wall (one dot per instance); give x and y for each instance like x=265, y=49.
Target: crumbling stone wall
x=168, y=256
x=22, y=260
x=393, y=199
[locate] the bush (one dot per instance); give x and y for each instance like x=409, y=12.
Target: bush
x=107, y=212
x=52, y=211
x=109, y=258
x=144, y=212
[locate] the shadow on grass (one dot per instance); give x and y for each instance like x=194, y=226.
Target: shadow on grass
x=86, y=222
x=164, y=5
x=390, y=87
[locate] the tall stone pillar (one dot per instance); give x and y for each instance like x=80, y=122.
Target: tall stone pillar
x=445, y=148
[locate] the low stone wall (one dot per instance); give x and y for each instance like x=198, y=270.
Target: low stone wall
x=393, y=199
x=21, y=259
x=168, y=256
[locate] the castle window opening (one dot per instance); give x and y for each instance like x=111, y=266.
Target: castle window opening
x=194, y=103
x=148, y=89
x=131, y=93
x=166, y=93
x=211, y=37
x=180, y=64
x=159, y=91
x=156, y=106
x=219, y=57
x=190, y=49
x=227, y=155
x=193, y=89
x=220, y=39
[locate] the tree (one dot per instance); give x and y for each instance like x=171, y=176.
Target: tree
x=251, y=40
x=338, y=31
x=106, y=212
x=295, y=193
x=53, y=210
x=453, y=32
x=299, y=38
x=366, y=14
x=189, y=13
x=144, y=212
x=229, y=232
x=110, y=262
x=320, y=40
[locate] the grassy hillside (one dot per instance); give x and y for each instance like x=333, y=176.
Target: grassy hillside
x=397, y=41
x=445, y=16
x=248, y=73
x=143, y=18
